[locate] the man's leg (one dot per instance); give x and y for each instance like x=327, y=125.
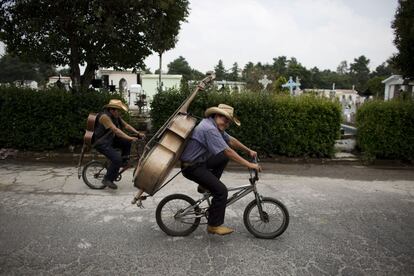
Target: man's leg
x=204, y=177
x=217, y=163
x=125, y=147
x=115, y=157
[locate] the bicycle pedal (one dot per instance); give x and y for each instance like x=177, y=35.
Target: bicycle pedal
x=140, y=205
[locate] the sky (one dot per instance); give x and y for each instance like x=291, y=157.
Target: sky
x=319, y=33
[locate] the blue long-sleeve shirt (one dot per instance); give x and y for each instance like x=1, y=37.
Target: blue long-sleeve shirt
x=206, y=141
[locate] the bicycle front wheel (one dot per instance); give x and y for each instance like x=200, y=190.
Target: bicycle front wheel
x=93, y=173
x=273, y=221
x=176, y=215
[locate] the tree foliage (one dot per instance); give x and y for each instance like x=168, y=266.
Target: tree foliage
x=180, y=66
x=359, y=72
x=95, y=33
x=403, y=26
x=234, y=72
x=14, y=69
x=220, y=71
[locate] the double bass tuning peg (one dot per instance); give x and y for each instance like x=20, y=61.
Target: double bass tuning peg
x=211, y=74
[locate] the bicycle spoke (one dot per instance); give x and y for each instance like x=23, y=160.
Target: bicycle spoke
x=171, y=220
x=273, y=218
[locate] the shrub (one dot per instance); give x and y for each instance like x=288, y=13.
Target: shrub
x=299, y=126
x=46, y=119
x=386, y=129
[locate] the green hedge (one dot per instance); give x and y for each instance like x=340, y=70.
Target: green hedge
x=386, y=129
x=49, y=119
x=283, y=125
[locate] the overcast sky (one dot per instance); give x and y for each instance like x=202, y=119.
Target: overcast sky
x=318, y=33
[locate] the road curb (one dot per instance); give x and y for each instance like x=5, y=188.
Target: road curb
x=73, y=158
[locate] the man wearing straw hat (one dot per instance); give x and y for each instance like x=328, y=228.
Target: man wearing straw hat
x=108, y=136
x=207, y=154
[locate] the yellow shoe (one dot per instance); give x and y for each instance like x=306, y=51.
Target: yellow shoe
x=219, y=230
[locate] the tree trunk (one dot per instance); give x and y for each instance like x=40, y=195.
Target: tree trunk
x=74, y=68
x=159, y=80
x=88, y=76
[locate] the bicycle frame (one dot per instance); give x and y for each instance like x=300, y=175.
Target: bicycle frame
x=242, y=191
x=134, y=158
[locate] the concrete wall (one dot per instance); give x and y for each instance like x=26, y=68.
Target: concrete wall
x=150, y=83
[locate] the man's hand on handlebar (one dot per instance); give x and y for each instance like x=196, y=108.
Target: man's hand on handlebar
x=137, y=136
x=252, y=154
x=141, y=135
x=255, y=166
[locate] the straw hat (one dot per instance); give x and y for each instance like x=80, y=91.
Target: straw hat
x=223, y=109
x=118, y=104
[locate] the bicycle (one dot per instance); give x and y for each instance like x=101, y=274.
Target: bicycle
x=94, y=171
x=180, y=215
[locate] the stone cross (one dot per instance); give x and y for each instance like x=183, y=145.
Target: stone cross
x=291, y=85
x=265, y=82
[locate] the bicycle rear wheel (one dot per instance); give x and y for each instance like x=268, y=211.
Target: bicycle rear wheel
x=171, y=218
x=274, y=222
x=93, y=174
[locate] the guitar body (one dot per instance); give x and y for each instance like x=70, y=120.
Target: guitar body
x=90, y=127
x=87, y=139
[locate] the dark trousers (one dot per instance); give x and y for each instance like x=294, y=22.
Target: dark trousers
x=208, y=176
x=116, y=157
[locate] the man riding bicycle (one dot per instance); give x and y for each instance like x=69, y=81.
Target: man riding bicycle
x=108, y=136
x=207, y=154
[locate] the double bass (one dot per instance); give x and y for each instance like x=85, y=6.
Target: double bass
x=163, y=150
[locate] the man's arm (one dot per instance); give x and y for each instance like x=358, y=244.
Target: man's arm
x=236, y=144
x=107, y=123
x=132, y=129
x=233, y=155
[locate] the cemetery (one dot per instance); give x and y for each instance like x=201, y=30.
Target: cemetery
x=136, y=136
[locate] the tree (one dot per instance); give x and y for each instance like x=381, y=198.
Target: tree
x=383, y=70
x=197, y=75
x=64, y=72
x=403, y=26
x=180, y=66
x=295, y=69
x=98, y=33
x=359, y=73
x=13, y=69
x=166, y=22
x=280, y=65
x=251, y=75
x=220, y=71
x=342, y=68
x=375, y=87
x=276, y=86
x=234, y=73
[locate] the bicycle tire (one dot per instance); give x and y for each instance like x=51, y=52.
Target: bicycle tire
x=93, y=174
x=277, y=229
x=166, y=210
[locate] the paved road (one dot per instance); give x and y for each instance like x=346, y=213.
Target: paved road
x=345, y=220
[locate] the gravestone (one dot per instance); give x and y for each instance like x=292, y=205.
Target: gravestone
x=265, y=82
x=294, y=86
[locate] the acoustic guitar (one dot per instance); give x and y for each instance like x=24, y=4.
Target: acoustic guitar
x=87, y=139
x=90, y=128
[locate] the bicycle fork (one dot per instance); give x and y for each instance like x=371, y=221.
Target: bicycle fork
x=263, y=215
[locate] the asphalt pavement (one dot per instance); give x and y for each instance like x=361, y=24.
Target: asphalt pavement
x=344, y=220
